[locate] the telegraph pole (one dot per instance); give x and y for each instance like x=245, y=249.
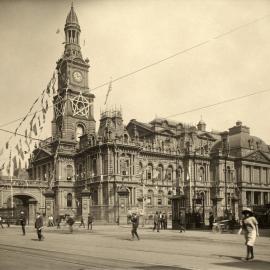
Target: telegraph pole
x=11, y=187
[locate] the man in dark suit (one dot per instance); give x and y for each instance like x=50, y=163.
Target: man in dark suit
x=90, y=221
x=182, y=222
x=156, y=222
x=39, y=226
x=135, y=225
x=70, y=222
x=23, y=221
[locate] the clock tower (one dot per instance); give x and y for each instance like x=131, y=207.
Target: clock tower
x=73, y=104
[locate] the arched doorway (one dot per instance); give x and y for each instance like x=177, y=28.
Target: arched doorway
x=24, y=203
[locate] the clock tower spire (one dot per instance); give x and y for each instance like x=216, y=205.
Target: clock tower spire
x=72, y=34
x=73, y=104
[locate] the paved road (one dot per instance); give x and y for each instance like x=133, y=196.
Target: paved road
x=109, y=247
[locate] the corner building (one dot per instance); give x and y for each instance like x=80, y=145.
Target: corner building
x=89, y=170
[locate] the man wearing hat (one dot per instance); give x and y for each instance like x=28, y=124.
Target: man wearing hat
x=23, y=221
x=135, y=224
x=250, y=229
x=39, y=226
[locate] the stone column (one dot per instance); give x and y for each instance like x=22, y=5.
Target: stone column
x=123, y=204
x=235, y=202
x=85, y=204
x=252, y=198
x=32, y=211
x=218, y=210
x=49, y=204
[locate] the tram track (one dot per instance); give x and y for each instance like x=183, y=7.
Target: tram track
x=84, y=262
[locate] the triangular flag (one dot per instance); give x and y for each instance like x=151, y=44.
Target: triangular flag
x=39, y=124
x=2, y=167
x=35, y=129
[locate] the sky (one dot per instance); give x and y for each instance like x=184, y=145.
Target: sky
x=123, y=36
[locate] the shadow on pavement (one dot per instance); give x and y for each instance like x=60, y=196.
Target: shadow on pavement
x=241, y=263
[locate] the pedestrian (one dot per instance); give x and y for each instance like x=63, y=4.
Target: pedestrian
x=39, y=226
x=249, y=227
x=50, y=223
x=89, y=221
x=161, y=220
x=82, y=222
x=165, y=222
x=182, y=222
x=70, y=222
x=211, y=220
x=58, y=222
x=135, y=224
x=23, y=221
x=8, y=221
x=1, y=222
x=156, y=222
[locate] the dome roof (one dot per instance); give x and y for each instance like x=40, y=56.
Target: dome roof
x=243, y=141
x=72, y=17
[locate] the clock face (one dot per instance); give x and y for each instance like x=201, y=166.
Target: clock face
x=77, y=76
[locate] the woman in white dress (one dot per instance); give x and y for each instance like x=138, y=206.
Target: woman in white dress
x=250, y=230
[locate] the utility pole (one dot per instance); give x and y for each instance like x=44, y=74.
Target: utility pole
x=225, y=188
x=194, y=182
x=11, y=187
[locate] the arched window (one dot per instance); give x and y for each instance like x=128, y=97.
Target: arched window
x=79, y=132
x=150, y=197
x=69, y=170
x=149, y=172
x=160, y=172
x=179, y=177
x=169, y=197
x=125, y=138
x=160, y=197
x=202, y=174
x=69, y=200
x=229, y=174
x=169, y=173
x=139, y=195
x=124, y=167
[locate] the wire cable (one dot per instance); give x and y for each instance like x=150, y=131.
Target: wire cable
x=162, y=60
x=217, y=103
x=19, y=134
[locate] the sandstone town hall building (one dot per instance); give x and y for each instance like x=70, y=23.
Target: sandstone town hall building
x=117, y=167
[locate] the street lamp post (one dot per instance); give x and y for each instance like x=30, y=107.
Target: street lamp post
x=225, y=187
x=203, y=197
x=194, y=183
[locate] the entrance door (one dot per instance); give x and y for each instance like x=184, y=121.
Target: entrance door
x=23, y=203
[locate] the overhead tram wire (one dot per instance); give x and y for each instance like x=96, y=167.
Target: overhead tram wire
x=19, y=134
x=160, y=61
x=218, y=103
x=177, y=114
x=184, y=51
